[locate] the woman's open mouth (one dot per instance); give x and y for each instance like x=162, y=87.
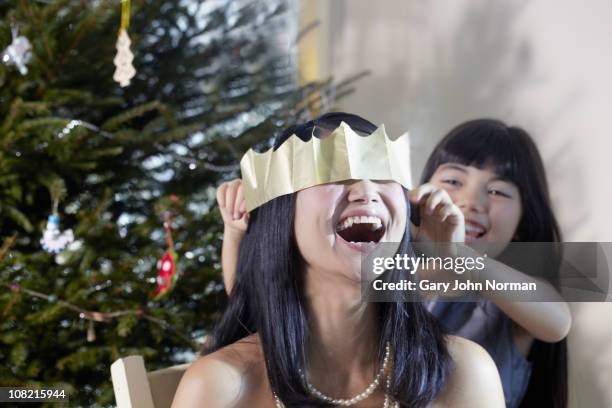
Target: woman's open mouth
x=361, y=232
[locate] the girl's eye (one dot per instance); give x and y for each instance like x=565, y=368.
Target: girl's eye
x=499, y=193
x=451, y=182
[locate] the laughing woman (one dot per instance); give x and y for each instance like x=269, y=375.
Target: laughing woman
x=296, y=332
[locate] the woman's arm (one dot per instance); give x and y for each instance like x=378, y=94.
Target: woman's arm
x=208, y=382
x=474, y=381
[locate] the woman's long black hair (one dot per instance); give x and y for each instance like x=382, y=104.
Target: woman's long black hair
x=268, y=299
x=515, y=157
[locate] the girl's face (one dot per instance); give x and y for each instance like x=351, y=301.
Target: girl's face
x=336, y=223
x=491, y=205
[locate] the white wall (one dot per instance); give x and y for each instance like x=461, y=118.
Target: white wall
x=544, y=65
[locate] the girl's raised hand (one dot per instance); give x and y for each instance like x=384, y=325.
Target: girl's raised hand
x=230, y=197
x=441, y=219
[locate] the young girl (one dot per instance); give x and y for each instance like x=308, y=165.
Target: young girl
x=296, y=332
x=494, y=174
x=486, y=182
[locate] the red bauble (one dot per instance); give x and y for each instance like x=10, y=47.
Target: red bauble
x=167, y=269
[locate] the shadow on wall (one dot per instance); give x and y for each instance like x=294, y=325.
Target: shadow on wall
x=430, y=74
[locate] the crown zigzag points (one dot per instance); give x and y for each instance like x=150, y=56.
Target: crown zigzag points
x=343, y=155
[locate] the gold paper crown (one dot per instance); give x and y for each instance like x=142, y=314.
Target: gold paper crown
x=343, y=155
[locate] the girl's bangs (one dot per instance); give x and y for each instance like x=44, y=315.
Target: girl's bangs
x=490, y=149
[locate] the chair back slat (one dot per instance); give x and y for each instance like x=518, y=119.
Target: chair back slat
x=131, y=383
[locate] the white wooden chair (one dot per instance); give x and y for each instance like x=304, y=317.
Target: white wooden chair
x=136, y=388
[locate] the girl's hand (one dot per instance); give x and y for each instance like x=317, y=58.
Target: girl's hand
x=442, y=226
x=441, y=219
x=230, y=197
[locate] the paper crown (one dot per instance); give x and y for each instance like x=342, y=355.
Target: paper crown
x=343, y=155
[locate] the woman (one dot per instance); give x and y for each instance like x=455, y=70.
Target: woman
x=296, y=332
x=484, y=184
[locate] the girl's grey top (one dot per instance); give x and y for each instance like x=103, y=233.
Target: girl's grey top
x=484, y=323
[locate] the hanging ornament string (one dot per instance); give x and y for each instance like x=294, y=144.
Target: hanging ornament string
x=168, y=226
x=124, y=71
x=125, y=14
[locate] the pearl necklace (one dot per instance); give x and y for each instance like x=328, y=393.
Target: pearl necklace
x=394, y=404
x=359, y=397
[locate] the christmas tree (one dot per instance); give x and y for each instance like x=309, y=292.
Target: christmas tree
x=131, y=172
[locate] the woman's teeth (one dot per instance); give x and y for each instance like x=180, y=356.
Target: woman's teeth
x=363, y=219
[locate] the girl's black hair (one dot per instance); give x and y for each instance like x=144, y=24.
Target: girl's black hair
x=514, y=157
x=268, y=298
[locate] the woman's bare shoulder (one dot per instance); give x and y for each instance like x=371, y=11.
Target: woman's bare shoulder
x=221, y=378
x=474, y=380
